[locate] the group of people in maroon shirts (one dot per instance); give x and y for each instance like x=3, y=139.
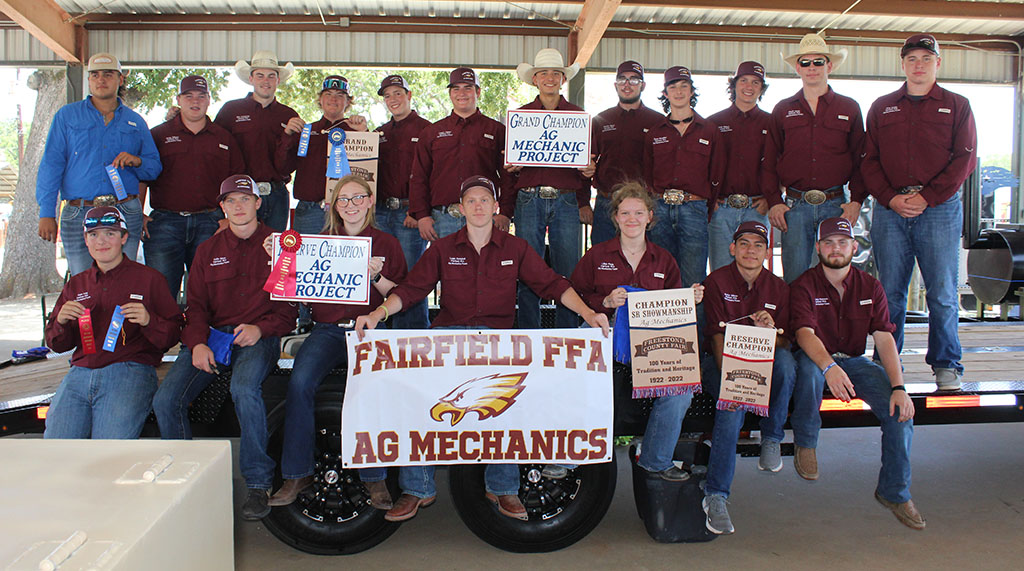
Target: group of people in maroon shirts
x=671, y=188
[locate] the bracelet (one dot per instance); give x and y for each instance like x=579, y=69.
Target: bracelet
x=386, y=313
x=825, y=370
x=900, y=388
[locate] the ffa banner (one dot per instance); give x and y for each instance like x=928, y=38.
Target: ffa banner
x=466, y=396
x=663, y=336
x=328, y=269
x=362, y=150
x=539, y=138
x=747, y=358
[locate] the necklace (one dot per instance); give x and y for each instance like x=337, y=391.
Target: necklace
x=637, y=252
x=678, y=121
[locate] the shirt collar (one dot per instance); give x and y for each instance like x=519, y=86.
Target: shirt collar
x=497, y=237
x=934, y=93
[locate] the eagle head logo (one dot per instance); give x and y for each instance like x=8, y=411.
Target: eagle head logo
x=486, y=396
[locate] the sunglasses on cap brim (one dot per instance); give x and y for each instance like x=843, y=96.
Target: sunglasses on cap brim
x=335, y=83
x=107, y=220
x=924, y=44
x=817, y=62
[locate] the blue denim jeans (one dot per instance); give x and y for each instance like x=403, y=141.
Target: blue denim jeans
x=274, y=208
x=798, y=254
x=723, y=225
x=559, y=218
x=309, y=218
x=72, y=233
x=173, y=240
x=249, y=368
x=682, y=229
x=933, y=239
x=871, y=385
x=603, y=229
x=728, y=423
x=391, y=221
x=662, y=433
x=445, y=224
x=111, y=402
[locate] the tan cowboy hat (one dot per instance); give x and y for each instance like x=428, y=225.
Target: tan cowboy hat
x=263, y=59
x=815, y=44
x=547, y=58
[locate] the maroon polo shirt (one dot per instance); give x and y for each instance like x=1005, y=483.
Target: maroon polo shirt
x=397, y=150
x=479, y=289
x=560, y=178
x=693, y=162
x=310, y=170
x=225, y=287
x=743, y=138
x=842, y=325
x=617, y=138
x=257, y=129
x=194, y=165
x=449, y=152
x=128, y=282
x=385, y=245
x=931, y=142
x=727, y=297
x=808, y=151
x=604, y=268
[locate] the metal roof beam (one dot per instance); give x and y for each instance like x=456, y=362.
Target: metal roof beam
x=590, y=26
x=50, y=24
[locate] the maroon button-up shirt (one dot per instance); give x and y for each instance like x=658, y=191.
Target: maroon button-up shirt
x=727, y=297
x=257, y=129
x=820, y=150
x=449, y=152
x=385, y=245
x=479, y=289
x=397, y=150
x=618, y=141
x=560, y=178
x=128, y=282
x=743, y=137
x=194, y=165
x=843, y=325
x=693, y=162
x=310, y=170
x=932, y=142
x=604, y=268
x=225, y=287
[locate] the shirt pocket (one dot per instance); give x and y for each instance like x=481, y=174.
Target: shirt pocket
x=130, y=139
x=443, y=148
x=488, y=141
x=835, y=132
x=220, y=274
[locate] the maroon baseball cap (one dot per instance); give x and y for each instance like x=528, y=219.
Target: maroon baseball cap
x=630, y=66
x=920, y=42
x=677, y=73
x=104, y=217
x=750, y=68
x=478, y=181
x=462, y=75
x=237, y=183
x=390, y=80
x=833, y=227
x=751, y=227
x=193, y=83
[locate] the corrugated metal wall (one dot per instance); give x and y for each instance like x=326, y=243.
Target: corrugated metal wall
x=18, y=47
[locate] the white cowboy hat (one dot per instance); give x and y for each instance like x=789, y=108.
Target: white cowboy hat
x=547, y=58
x=815, y=44
x=263, y=59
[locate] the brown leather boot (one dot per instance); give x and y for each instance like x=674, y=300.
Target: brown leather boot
x=380, y=497
x=289, y=491
x=906, y=512
x=805, y=460
x=509, y=506
x=407, y=506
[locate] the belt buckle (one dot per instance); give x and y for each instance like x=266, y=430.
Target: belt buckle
x=913, y=189
x=815, y=197
x=673, y=196
x=547, y=192
x=104, y=200
x=346, y=324
x=264, y=188
x=393, y=203
x=738, y=200
x=453, y=210
x=839, y=355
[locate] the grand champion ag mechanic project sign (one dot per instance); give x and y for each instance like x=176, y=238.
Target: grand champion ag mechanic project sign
x=465, y=396
x=539, y=138
x=328, y=269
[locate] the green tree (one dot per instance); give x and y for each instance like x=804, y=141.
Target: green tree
x=9, y=141
x=149, y=89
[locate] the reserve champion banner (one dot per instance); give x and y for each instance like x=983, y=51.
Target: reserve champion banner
x=747, y=358
x=420, y=397
x=363, y=151
x=663, y=337
x=329, y=269
x=538, y=138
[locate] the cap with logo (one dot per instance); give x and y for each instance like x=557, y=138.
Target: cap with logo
x=104, y=61
x=104, y=217
x=336, y=82
x=920, y=42
x=478, y=181
x=392, y=80
x=630, y=66
x=677, y=73
x=751, y=227
x=193, y=83
x=834, y=227
x=237, y=183
x=462, y=75
x=751, y=68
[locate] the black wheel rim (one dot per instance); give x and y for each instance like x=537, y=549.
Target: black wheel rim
x=545, y=498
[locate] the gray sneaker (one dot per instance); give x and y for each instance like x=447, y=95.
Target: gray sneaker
x=771, y=456
x=718, y=521
x=554, y=472
x=947, y=379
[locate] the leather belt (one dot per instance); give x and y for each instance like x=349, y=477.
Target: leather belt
x=546, y=192
x=451, y=209
x=264, y=188
x=913, y=189
x=184, y=213
x=394, y=203
x=101, y=200
x=674, y=196
x=737, y=200
x=814, y=197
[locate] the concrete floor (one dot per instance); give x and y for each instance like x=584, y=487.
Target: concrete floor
x=967, y=484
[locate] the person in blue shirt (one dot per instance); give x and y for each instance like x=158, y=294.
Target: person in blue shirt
x=85, y=138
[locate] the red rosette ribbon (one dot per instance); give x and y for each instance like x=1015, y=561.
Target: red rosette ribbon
x=85, y=333
x=281, y=281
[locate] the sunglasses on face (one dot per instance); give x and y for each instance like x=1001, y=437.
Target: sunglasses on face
x=634, y=81
x=355, y=200
x=105, y=220
x=817, y=62
x=335, y=83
